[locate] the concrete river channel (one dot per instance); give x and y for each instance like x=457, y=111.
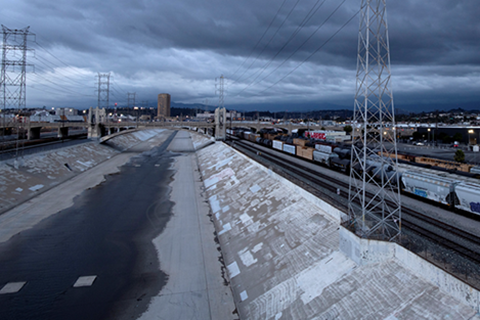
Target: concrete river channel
x=105, y=237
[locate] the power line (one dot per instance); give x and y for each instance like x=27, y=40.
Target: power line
x=259, y=40
x=57, y=72
x=58, y=87
x=311, y=55
x=55, y=57
x=278, y=29
x=299, y=28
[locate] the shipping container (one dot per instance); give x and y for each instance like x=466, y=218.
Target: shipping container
x=246, y=135
x=305, y=152
x=277, y=144
x=289, y=148
x=324, y=157
x=475, y=170
x=324, y=148
x=468, y=195
x=299, y=142
x=429, y=186
x=272, y=136
x=253, y=137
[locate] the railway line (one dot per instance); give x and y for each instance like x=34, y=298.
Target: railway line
x=422, y=234
x=11, y=149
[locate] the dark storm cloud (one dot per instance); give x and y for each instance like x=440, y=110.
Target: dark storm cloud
x=181, y=46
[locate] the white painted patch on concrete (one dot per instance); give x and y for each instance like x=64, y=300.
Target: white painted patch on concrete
x=257, y=248
x=37, y=187
x=315, y=279
x=211, y=181
x=246, y=219
x=226, y=173
x=12, y=287
x=255, y=188
x=244, y=295
x=215, y=205
x=233, y=269
x=247, y=257
x=226, y=227
x=221, y=163
x=85, y=281
x=86, y=163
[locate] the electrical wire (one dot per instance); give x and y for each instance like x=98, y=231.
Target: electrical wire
x=278, y=29
x=311, y=55
x=295, y=33
x=259, y=40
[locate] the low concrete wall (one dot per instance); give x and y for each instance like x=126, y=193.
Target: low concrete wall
x=366, y=251
x=113, y=135
x=446, y=282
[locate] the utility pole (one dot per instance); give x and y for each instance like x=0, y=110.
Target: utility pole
x=13, y=77
x=374, y=148
x=103, y=90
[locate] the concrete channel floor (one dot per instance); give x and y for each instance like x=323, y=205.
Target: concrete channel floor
x=187, y=252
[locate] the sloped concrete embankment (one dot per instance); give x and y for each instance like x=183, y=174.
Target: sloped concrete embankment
x=26, y=177
x=282, y=249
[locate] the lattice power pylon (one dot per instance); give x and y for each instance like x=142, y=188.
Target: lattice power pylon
x=103, y=83
x=220, y=88
x=131, y=99
x=220, y=112
x=374, y=201
x=13, y=78
x=14, y=67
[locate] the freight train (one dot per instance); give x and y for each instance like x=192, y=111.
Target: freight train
x=454, y=193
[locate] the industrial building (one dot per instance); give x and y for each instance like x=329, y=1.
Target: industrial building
x=470, y=134
x=163, y=105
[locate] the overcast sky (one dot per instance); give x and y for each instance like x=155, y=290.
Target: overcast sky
x=180, y=47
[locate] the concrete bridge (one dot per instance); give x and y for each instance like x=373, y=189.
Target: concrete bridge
x=103, y=128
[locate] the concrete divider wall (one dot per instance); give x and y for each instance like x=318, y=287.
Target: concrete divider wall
x=446, y=282
x=365, y=251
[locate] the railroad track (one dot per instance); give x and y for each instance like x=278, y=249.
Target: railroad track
x=453, y=239
x=9, y=151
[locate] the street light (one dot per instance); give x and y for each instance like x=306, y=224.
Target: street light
x=473, y=148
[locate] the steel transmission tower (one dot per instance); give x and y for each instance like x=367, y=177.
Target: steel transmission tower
x=13, y=79
x=14, y=67
x=103, y=82
x=374, y=149
x=220, y=89
x=131, y=99
x=220, y=112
